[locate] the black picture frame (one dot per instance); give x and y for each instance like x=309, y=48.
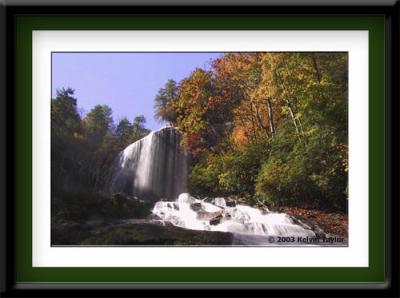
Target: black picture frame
x=8, y=221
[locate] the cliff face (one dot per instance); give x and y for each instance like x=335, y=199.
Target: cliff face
x=153, y=168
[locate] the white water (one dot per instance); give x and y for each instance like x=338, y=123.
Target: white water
x=249, y=225
x=143, y=180
x=153, y=167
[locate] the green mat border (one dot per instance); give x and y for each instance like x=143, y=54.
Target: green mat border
x=25, y=273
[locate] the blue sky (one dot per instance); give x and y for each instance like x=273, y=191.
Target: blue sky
x=127, y=82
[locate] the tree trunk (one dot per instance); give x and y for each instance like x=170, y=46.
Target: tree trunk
x=293, y=116
x=316, y=68
x=271, y=117
x=261, y=124
x=253, y=120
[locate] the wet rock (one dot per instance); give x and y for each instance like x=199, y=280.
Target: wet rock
x=204, y=215
x=156, y=234
x=242, y=200
x=230, y=203
x=318, y=231
x=308, y=225
x=216, y=220
x=127, y=206
x=300, y=222
x=69, y=233
x=153, y=216
x=195, y=206
x=208, y=200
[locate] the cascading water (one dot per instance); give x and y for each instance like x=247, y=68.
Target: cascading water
x=154, y=167
x=250, y=226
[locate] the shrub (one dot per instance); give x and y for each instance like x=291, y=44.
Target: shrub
x=86, y=204
x=232, y=172
x=309, y=174
x=203, y=176
x=78, y=204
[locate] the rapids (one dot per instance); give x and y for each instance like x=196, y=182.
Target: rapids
x=155, y=169
x=249, y=225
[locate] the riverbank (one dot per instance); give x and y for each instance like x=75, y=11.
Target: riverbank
x=333, y=223
x=91, y=218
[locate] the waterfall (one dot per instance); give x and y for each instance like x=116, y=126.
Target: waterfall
x=154, y=167
x=249, y=225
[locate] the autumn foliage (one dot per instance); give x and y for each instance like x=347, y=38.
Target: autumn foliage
x=271, y=126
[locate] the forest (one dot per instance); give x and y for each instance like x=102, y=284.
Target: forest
x=259, y=128
x=266, y=125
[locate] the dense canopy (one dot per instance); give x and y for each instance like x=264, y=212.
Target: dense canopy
x=267, y=126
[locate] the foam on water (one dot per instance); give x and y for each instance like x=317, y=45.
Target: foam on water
x=155, y=168
x=191, y=213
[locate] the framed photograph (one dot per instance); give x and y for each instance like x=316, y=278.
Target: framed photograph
x=244, y=148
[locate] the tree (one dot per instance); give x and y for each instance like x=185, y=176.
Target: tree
x=124, y=132
x=67, y=144
x=191, y=109
x=163, y=102
x=294, y=104
x=65, y=118
x=98, y=122
x=138, y=128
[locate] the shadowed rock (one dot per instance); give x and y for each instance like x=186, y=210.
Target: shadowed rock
x=156, y=234
x=134, y=232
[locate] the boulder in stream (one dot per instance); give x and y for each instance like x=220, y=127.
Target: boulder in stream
x=216, y=220
x=195, y=206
